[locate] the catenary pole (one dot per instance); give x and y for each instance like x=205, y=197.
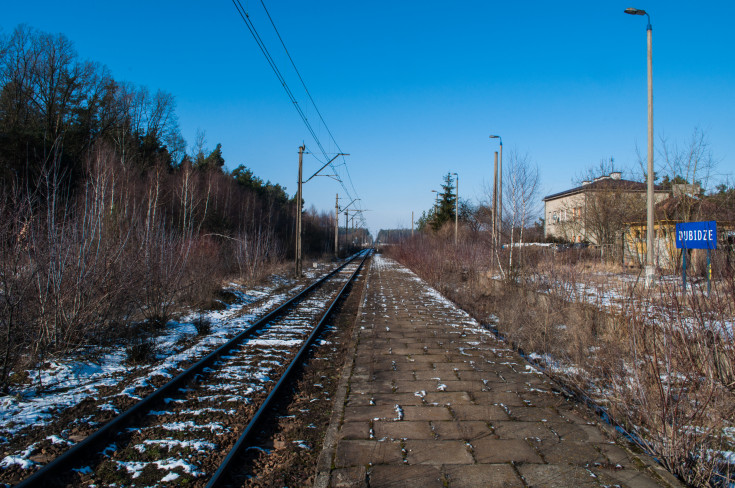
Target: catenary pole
x=336, y=227
x=298, y=213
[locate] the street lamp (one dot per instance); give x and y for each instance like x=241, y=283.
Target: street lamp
x=650, y=269
x=500, y=189
x=456, y=209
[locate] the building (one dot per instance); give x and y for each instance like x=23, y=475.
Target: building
x=596, y=211
x=682, y=206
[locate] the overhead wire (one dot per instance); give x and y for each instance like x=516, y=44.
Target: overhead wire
x=271, y=62
x=274, y=67
x=308, y=93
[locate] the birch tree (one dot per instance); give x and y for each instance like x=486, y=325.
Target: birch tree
x=521, y=200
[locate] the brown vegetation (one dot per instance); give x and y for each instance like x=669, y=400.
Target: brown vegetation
x=107, y=225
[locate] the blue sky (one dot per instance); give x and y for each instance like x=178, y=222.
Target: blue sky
x=413, y=89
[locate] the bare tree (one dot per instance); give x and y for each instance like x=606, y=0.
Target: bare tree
x=691, y=162
x=521, y=199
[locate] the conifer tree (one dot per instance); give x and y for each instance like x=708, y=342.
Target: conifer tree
x=446, y=207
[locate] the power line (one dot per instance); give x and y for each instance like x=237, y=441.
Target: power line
x=259, y=41
x=308, y=93
x=263, y=48
x=339, y=149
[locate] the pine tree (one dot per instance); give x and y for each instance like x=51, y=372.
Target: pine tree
x=447, y=204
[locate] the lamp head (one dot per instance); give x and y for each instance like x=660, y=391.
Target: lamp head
x=634, y=11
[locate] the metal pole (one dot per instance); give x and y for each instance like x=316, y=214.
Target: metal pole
x=709, y=272
x=336, y=227
x=298, y=214
x=347, y=242
x=684, y=268
x=500, y=193
x=456, y=210
x=650, y=268
x=495, y=200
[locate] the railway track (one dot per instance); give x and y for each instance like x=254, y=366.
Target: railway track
x=191, y=430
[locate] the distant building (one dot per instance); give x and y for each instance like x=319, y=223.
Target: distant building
x=582, y=213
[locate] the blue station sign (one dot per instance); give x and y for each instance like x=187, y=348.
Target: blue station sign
x=697, y=235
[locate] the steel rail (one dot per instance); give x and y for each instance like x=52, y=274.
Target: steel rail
x=219, y=477
x=64, y=463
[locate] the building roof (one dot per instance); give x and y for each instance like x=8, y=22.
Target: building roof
x=685, y=208
x=606, y=183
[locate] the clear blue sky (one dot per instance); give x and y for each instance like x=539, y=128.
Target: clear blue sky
x=413, y=89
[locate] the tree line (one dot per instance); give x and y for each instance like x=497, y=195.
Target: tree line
x=108, y=224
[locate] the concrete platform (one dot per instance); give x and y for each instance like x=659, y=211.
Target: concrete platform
x=430, y=398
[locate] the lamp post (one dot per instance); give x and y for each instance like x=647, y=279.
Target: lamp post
x=650, y=268
x=436, y=206
x=456, y=209
x=500, y=189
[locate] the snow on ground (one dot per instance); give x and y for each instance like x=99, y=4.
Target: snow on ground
x=70, y=380
x=67, y=381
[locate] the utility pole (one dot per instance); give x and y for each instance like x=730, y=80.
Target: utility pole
x=347, y=242
x=336, y=227
x=298, y=213
x=499, y=213
x=456, y=210
x=500, y=194
x=495, y=200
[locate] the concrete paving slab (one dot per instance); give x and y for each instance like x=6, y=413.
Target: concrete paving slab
x=465, y=430
x=370, y=412
x=493, y=451
x=426, y=413
x=403, y=430
x=432, y=399
x=570, y=452
x=523, y=430
x=364, y=452
x=447, y=397
x=355, y=430
x=354, y=477
x=509, y=399
x=535, y=414
x=404, y=476
x=482, y=475
x=479, y=412
x=438, y=452
x=558, y=476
